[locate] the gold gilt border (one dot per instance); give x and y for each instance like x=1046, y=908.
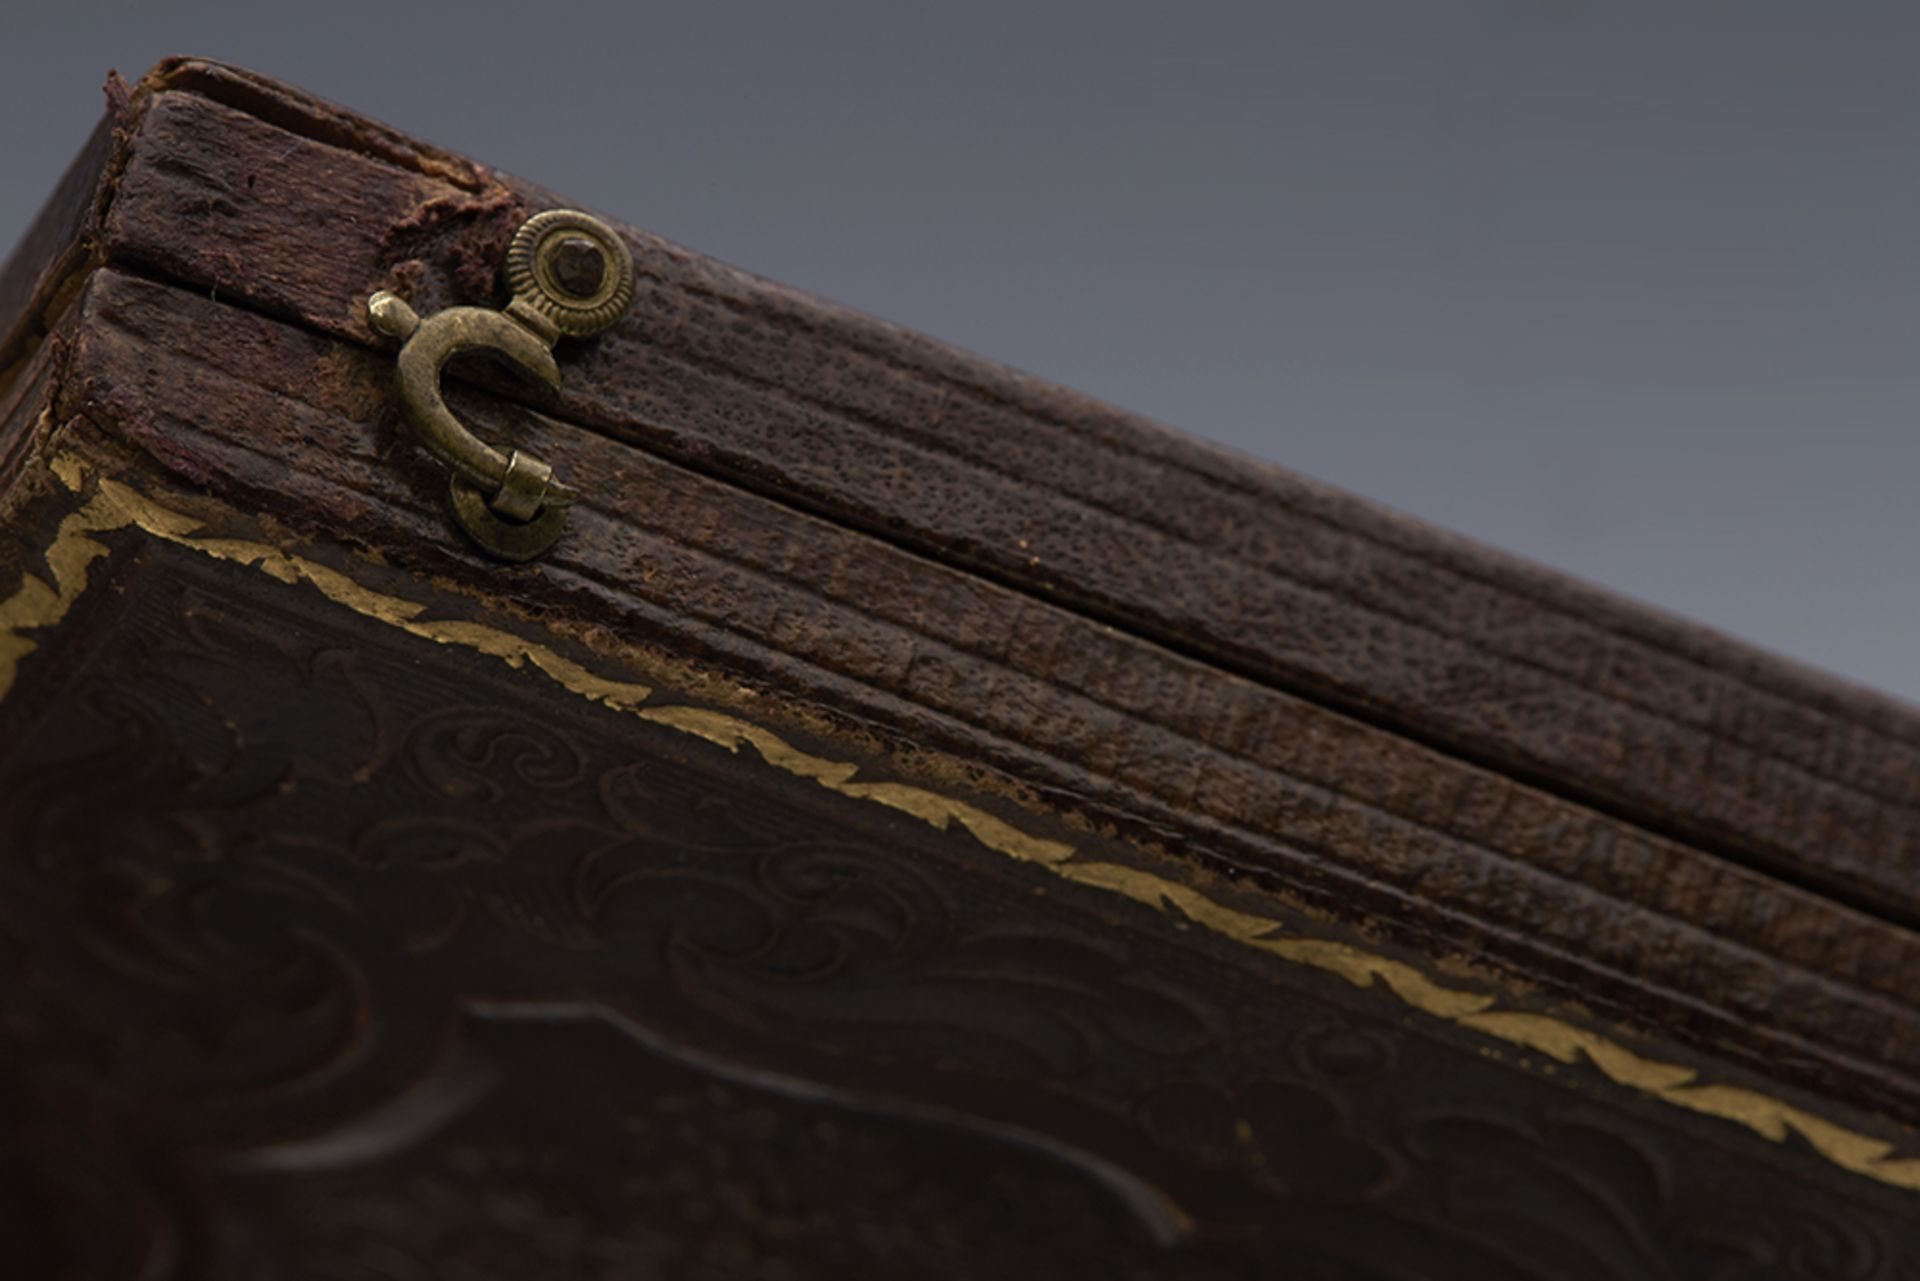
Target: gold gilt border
x=37, y=604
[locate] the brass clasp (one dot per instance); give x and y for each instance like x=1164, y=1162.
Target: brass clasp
x=571, y=276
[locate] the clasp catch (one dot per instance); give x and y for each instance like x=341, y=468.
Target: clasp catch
x=571, y=276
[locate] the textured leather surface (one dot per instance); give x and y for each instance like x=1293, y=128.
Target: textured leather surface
x=333, y=946
x=341, y=954
x=1245, y=565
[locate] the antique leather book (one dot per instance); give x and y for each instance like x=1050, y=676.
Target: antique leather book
x=912, y=820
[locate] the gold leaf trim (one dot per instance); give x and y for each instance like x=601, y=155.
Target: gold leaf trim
x=37, y=604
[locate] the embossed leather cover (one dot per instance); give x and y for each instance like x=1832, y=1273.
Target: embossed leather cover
x=917, y=822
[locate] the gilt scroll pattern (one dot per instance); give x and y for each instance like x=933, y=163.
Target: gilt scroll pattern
x=276, y=881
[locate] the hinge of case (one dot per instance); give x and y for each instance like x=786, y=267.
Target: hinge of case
x=571, y=276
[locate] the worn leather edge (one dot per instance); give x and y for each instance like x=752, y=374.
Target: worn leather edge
x=53, y=256
x=312, y=117
x=1789, y=770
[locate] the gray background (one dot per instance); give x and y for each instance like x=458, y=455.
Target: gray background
x=1631, y=288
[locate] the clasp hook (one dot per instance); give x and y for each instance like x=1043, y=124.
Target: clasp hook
x=571, y=276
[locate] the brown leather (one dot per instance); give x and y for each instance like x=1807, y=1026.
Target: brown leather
x=1241, y=564
x=325, y=946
